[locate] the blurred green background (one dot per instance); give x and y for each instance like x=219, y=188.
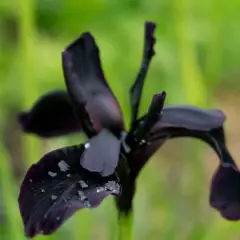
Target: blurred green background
x=197, y=62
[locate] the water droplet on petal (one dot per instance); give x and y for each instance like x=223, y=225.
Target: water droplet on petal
x=87, y=204
x=54, y=197
x=83, y=184
x=63, y=166
x=113, y=186
x=100, y=189
x=143, y=141
x=87, y=145
x=52, y=174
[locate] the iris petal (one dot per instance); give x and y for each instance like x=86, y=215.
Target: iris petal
x=178, y=121
x=57, y=186
x=189, y=121
x=206, y=125
x=88, y=88
x=104, y=147
x=148, y=53
x=52, y=115
x=190, y=117
x=225, y=192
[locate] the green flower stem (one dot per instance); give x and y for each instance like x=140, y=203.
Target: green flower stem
x=125, y=227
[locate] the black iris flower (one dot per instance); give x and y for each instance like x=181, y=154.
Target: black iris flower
x=81, y=176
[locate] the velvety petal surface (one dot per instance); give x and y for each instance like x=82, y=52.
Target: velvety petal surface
x=102, y=153
x=57, y=186
x=190, y=117
x=88, y=88
x=177, y=121
x=206, y=125
x=225, y=192
x=148, y=53
x=188, y=121
x=52, y=115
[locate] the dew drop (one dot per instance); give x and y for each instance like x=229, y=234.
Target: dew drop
x=83, y=184
x=54, y=197
x=87, y=204
x=100, y=189
x=142, y=142
x=63, y=166
x=113, y=186
x=52, y=174
x=87, y=145
x=82, y=196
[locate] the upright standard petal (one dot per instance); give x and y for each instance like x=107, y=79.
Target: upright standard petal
x=148, y=53
x=52, y=115
x=57, y=186
x=95, y=104
x=135, y=145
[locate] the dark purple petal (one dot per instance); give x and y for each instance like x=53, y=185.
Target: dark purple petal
x=134, y=145
x=151, y=118
x=104, y=147
x=191, y=118
x=189, y=121
x=52, y=115
x=142, y=127
x=148, y=53
x=124, y=202
x=88, y=88
x=184, y=121
x=139, y=157
x=57, y=186
x=206, y=125
x=225, y=192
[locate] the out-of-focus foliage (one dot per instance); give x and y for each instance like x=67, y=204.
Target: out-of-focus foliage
x=198, y=55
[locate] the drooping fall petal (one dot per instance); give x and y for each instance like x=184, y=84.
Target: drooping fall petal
x=188, y=121
x=179, y=121
x=206, y=125
x=57, y=186
x=190, y=117
x=51, y=116
x=225, y=192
